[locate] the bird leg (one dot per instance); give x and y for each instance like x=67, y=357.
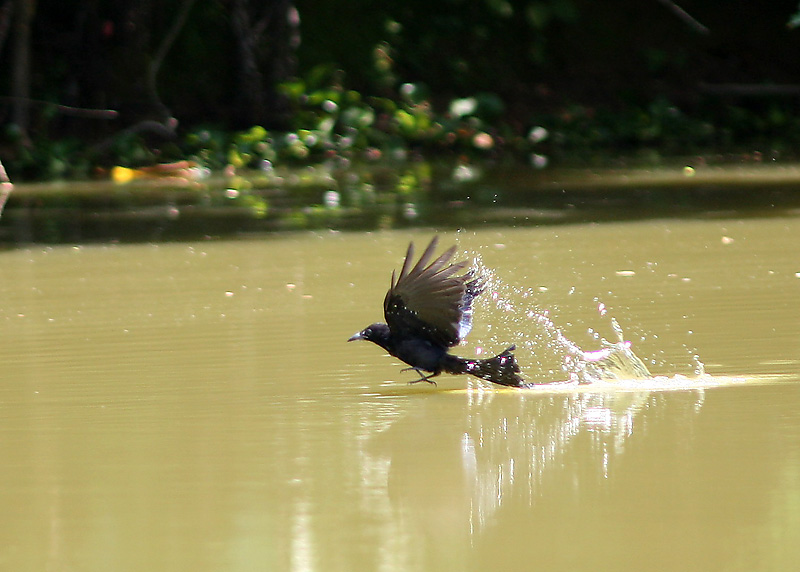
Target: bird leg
x=422, y=376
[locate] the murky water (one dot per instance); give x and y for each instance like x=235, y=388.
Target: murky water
x=196, y=407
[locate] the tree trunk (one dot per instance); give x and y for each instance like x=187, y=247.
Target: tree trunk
x=21, y=78
x=266, y=36
x=6, y=13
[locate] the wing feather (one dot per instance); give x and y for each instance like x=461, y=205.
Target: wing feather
x=406, y=263
x=431, y=298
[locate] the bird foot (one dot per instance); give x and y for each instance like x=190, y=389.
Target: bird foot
x=422, y=376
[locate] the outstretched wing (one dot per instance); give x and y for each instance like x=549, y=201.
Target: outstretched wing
x=430, y=299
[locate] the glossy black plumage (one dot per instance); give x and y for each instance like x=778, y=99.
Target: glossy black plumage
x=428, y=309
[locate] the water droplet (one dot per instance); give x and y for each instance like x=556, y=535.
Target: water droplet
x=332, y=199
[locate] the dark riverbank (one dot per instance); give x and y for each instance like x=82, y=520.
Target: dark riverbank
x=194, y=204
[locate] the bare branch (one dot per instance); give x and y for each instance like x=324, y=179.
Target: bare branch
x=687, y=18
x=163, y=49
x=751, y=89
x=68, y=109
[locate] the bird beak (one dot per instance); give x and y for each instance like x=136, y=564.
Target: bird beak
x=356, y=336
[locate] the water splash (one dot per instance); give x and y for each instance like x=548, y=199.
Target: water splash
x=533, y=329
x=613, y=361
x=699, y=367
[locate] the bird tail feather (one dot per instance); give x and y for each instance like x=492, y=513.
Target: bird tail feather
x=501, y=369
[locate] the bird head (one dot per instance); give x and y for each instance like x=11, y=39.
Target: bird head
x=376, y=333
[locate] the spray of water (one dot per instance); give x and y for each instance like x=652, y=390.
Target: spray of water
x=539, y=338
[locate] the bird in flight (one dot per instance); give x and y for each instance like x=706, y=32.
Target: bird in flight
x=428, y=309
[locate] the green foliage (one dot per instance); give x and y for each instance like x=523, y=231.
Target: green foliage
x=46, y=158
x=464, y=80
x=794, y=20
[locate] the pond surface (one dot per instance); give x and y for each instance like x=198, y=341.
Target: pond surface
x=194, y=406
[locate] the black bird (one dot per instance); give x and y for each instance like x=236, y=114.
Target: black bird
x=428, y=309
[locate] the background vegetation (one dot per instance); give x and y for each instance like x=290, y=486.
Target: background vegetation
x=92, y=84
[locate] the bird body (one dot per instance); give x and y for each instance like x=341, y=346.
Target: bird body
x=428, y=309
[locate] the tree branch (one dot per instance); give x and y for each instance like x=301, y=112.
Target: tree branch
x=686, y=17
x=67, y=109
x=750, y=89
x=163, y=49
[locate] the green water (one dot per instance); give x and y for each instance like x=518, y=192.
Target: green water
x=195, y=406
